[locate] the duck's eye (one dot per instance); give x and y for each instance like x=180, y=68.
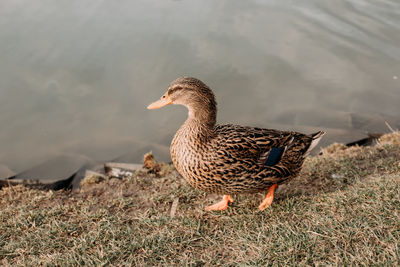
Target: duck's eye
x=163, y=96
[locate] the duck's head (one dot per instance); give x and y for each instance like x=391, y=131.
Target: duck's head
x=193, y=94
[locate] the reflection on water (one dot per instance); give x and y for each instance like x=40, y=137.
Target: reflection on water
x=76, y=76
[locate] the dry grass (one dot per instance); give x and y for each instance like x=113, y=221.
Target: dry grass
x=344, y=209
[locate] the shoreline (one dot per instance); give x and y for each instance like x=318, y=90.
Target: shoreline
x=66, y=171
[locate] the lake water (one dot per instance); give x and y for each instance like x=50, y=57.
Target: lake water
x=76, y=76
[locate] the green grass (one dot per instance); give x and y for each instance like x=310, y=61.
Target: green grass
x=344, y=209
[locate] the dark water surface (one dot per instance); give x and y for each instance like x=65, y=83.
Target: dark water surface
x=76, y=76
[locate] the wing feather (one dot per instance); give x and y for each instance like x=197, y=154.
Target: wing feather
x=251, y=143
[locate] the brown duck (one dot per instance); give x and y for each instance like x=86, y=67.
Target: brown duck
x=230, y=159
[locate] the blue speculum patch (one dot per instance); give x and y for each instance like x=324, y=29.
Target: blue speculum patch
x=274, y=156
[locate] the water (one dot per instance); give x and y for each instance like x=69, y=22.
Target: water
x=76, y=76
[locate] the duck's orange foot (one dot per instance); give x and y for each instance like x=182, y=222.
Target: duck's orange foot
x=268, y=198
x=222, y=205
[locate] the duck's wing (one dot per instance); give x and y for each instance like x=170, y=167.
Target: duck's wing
x=254, y=146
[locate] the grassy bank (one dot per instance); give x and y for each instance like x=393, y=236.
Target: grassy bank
x=344, y=208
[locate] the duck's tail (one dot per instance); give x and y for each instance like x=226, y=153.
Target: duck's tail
x=316, y=137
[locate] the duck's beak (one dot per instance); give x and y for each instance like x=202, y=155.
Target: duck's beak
x=165, y=100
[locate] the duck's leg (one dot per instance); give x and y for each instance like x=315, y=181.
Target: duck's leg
x=268, y=198
x=222, y=205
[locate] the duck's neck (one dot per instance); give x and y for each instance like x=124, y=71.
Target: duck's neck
x=201, y=118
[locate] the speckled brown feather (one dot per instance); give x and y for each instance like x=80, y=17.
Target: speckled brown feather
x=229, y=159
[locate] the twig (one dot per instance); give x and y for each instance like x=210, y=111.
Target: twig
x=318, y=234
x=390, y=127
x=174, y=207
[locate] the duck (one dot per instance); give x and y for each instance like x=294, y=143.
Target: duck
x=230, y=159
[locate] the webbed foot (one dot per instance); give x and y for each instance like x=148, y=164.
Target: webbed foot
x=268, y=198
x=222, y=205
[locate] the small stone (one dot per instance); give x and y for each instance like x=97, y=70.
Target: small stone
x=336, y=176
